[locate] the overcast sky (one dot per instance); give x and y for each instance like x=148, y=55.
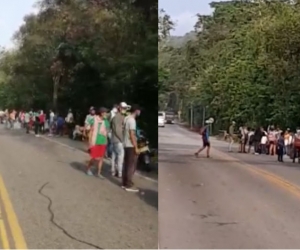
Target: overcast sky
x=11, y=17
x=183, y=12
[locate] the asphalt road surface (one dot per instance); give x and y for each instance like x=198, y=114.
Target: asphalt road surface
x=46, y=200
x=228, y=201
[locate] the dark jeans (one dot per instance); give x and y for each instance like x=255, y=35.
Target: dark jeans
x=129, y=167
x=70, y=128
x=256, y=146
x=42, y=127
x=26, y=126
x=11, y=123
x=36, y=128
x=280, y=152
x=60, y=130
x=109, y=148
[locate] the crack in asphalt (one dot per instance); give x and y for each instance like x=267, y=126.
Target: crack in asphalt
x=58, y=226
x=223, y=223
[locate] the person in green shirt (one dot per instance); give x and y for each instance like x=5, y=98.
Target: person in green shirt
x=98, y=140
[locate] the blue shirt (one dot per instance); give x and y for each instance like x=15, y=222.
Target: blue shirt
x=205, y=134
x=280, y=142
x=60, y=121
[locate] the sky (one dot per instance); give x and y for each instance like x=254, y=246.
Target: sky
x=11, y=18
x=183, y=12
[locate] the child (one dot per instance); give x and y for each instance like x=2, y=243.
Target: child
x=263, y=143
x=251, y=139
x=280, y=147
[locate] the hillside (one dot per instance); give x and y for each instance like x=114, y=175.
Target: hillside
x=179, y=41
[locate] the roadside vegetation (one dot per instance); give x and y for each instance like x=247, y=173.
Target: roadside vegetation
x=242, y=64
x=77, y=54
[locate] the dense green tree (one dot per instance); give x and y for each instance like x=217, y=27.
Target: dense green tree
x=243, y=64
x=74, y=54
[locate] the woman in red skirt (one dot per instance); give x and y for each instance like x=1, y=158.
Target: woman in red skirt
x=98, y=140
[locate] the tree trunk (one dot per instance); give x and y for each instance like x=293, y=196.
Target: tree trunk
x=56, y=80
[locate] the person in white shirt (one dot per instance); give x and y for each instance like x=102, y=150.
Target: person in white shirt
x=78, y=132
x=70, y=123
x=250, y=139
x=113, y=112
x=287, y=141
x=263, y=143
x=70, y=117
x=51, y=122
x=131, y=149
x=2, y=114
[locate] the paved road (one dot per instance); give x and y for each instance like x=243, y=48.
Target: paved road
x=46, y=201
x=228, y=201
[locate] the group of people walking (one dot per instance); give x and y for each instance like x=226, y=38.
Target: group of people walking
x=118, y=130
x=115, y=130
x=38, y=121
x=271, y=141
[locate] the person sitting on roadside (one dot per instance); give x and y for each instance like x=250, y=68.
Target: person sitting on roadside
x=78, y=132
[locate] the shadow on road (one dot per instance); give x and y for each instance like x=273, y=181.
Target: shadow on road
x=147, y=195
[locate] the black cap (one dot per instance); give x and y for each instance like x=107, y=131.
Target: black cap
x=134, y=108
x=102, y=110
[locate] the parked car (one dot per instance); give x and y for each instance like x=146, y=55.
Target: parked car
x=161, y=119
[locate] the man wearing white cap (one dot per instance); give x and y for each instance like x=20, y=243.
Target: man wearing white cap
x=123, y=105
x=117, y=140
x=205, y=138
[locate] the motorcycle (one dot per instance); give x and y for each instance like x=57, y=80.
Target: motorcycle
x=144, y=157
